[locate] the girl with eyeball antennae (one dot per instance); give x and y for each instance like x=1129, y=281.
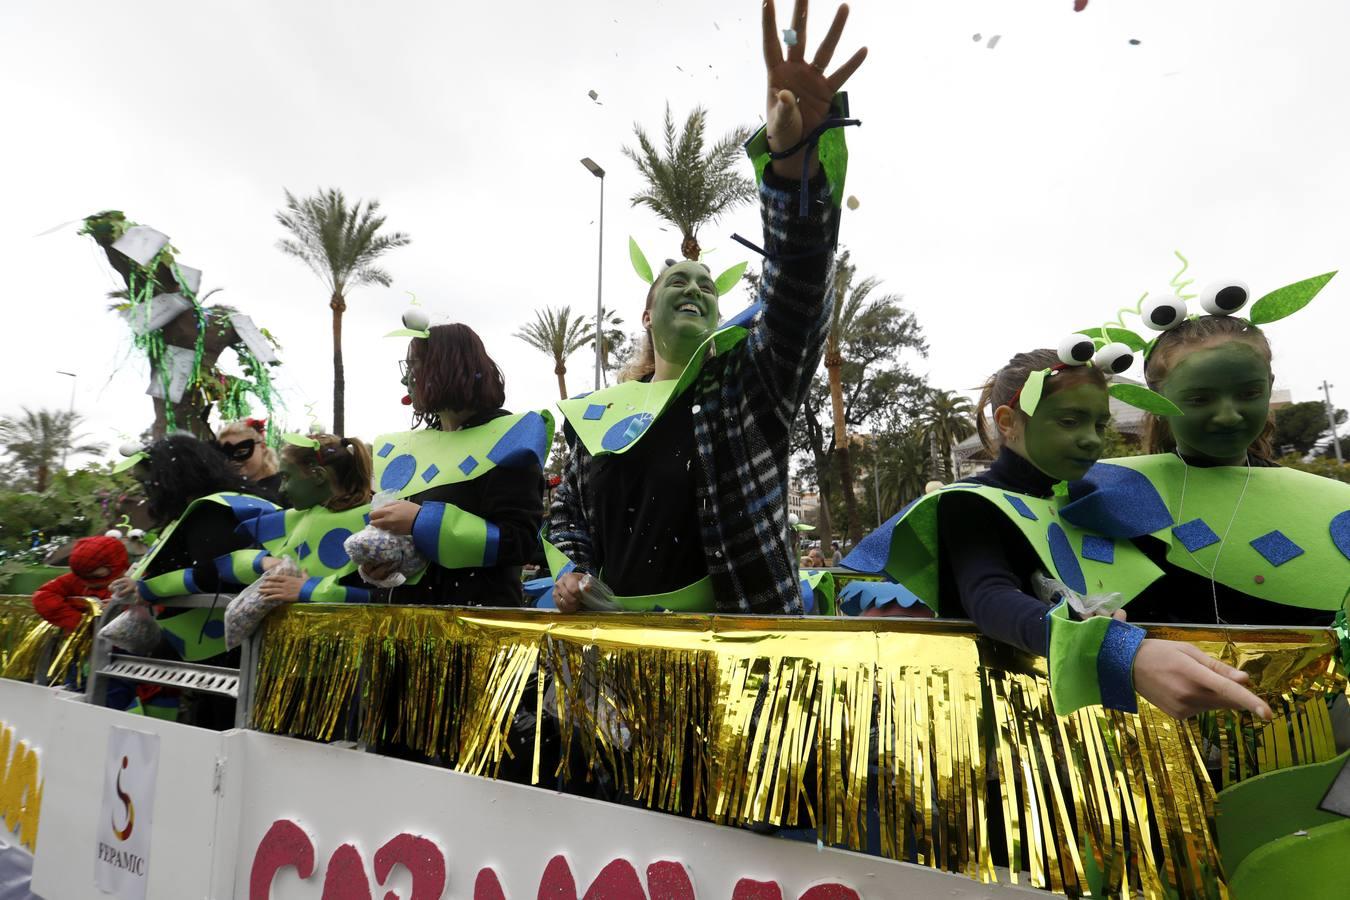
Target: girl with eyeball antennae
x=997, y=532
x=1241, y=540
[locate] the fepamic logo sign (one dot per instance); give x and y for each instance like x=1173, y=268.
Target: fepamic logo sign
x=122, y=860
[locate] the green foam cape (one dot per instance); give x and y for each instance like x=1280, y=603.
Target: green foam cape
x=913, y=557
x=1298, y=505
x=614, y=419
x=433, y=458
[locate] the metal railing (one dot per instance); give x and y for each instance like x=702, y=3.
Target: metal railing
x=222, y=681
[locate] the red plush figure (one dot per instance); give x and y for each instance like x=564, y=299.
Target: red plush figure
x=94, y=563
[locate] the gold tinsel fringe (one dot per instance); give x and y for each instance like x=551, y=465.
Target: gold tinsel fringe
x=796, y=722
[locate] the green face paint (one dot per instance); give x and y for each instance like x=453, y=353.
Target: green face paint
x=304, y=487
x=1224, y=396
x=684, y=311
x=1065, y=436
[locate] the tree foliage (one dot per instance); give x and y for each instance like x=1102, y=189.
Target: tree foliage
x=38, y=443
x=558, y=333
x=341, y=244
x=685, y=186
x=1301, y=425
x=948, y=418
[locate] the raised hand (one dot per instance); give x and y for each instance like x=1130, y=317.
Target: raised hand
x=800, y=92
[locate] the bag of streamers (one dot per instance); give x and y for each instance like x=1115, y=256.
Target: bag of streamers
x=135, y=630
x=373, y=546
x=249, y=607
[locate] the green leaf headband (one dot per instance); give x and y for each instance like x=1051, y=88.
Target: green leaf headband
x=724, y=282
x=1220, y=298
x=1112, y=358
x=416, y=321
x=132, y=453
x=304, y=440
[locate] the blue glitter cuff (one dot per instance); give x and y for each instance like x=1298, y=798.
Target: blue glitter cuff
x=1115, y=665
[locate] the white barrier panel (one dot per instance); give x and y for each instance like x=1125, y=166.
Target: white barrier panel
x=25, y=711
x=319, y=823
x=185, y=807
x=259, y=817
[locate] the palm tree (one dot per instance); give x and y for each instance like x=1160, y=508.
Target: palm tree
x=906, y=467
x=850, y=301
x=37, y=441
x=341, y=244
x=948, y=418
x=685, y=187
x=611, y=338
x=558, y=333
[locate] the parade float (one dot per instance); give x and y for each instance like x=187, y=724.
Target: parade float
x=748, y=757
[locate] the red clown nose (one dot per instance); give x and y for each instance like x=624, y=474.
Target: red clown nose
x=407, y=400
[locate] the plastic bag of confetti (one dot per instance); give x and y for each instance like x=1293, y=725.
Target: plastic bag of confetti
x=249, y=607
x=135, y=630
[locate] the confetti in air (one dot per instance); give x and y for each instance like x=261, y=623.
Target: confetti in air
x=993, y=41
x=1079, y=5
x=852, y=202
x=790, y=37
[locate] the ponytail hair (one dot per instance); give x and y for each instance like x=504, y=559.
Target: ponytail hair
x=346, y=461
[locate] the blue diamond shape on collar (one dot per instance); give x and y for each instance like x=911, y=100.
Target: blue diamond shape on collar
x=468, y=465
x=1020, y=505
x=1195, y=535
x=1276, y=548
x=385, y=451
x=594, y=411
x=302, y=551
x=430, y=473
x=1099, y=549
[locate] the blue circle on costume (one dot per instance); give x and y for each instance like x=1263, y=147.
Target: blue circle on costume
x=625, y=431
x=1340, y=533
x=331, y=552
x=398, y=473
x=1066, y=561
x=214, y=628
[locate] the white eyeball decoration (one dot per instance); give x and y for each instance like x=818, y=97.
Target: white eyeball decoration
x=1163, y=312
x=1223, y=298
x=1114, y=358
x=113, y=533
x=416, y=319
x=1076, y=350
x=129, y=449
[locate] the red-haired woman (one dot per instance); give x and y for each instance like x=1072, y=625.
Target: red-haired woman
x=469, y=485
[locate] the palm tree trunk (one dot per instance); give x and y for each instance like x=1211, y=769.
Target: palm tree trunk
x=339, y=305
x=43, y=473
x=689, y=247
x=833, y=365
x=561, y=371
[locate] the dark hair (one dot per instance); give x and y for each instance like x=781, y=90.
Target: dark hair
x=182, y=469
x=1195, y=334
x=346, y=462
x=454, y=372
x=1003, y=387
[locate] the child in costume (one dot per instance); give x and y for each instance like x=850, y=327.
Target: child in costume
x=197, y=500
x=976, y=547
x=1241, y=540
x=470, y=485
x=95, y=562
x=244, y=444
x=675, y=494
x=326, y=481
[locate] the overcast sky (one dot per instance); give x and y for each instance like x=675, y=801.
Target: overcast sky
x=1009, y=194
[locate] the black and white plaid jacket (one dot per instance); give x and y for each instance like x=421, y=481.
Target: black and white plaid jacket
x=744, y=404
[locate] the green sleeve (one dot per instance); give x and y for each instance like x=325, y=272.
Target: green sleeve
x=241, y=566
x=1091, y=662
x=329, y=589
x=455, y=539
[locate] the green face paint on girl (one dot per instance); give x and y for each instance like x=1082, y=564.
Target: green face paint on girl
x=304, y=487
x=1224, y=395
x=684, y=311
x=1066, y=435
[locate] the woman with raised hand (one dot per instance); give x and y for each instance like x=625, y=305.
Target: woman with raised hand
x=675, y=494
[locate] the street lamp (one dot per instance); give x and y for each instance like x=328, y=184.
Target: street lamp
x=594, y=169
